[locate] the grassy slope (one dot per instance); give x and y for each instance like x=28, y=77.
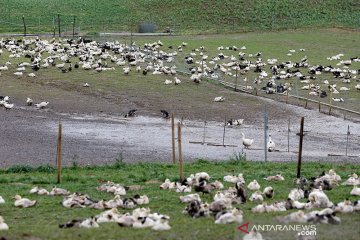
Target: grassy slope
x=185, y=16
x=42, y=221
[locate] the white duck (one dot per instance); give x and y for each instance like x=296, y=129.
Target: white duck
x=23, y=202
x=8, y=106
x=2, y=201
x=39, y=191
x=246, y=141
x=42, y=105
x=270, y=144
x=219, y=99
x=29, y=101
x=3, y=225
x=355, y=191
x=254, y=185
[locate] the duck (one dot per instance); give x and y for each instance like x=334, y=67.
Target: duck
x=256, y=197
x=234, y=215
x=338, y=99
x=141, y=200
x=234, y=179
x=59, y=191
x=355, y=191
x=177, y=81
x=2, y=201
x=277, y=177
x=298, y=216
x=246, y=141
x=167, y=82
x=167, y=184
x=165, y=114
x=41, y=105
x=254, y=185
x=131, y=113
x=39, y=191
x=86, y=223
x=269, y=192
x=270, y=144
x=114, y=203
x=161, y=225
x=23, y=202
x=190, y=197
x=29, y=101
x=219, y=99
x=8, y=106
x=3, y=225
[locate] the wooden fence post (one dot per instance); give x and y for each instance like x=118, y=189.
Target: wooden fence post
x=54, y=26
x=347, y=140
x=59, y=25
x=224, y=132
x=265, y=131
x=74, y=26
x=23, y=18
x=288, y=135
x=180, y=152
x=330, y=102
x=58, y=155
x=173, y=137
x=300, y=147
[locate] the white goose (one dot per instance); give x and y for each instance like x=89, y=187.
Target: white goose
x=246, y=141
x=23, y=202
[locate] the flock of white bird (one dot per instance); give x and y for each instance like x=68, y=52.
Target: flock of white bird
x=139, y=218
x=313, y=192
x=308, y=195
x=5, y=102
x=33, y=55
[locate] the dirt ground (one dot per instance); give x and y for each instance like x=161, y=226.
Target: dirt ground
x=95, y=131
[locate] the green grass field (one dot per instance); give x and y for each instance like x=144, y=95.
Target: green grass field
x=186, y=16
x=41, y=221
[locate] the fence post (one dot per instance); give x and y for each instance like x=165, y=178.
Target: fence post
x=180, y=153
x=289, y=135
x=59, y=25
x=330, y=102
x=74, y=26
x=58, y=155
x=204, y=132
x=54, y=26
x=224, y=132
x=236, y=76
x=300, y=147
x=265, y=131
x=23, y=18
x=173, y=137
x=347, y=140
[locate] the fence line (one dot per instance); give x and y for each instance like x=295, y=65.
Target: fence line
x=243, y=89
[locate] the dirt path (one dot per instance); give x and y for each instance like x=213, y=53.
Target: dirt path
x=28, y=136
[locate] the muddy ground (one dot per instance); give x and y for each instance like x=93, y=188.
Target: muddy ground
x=96, y=132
